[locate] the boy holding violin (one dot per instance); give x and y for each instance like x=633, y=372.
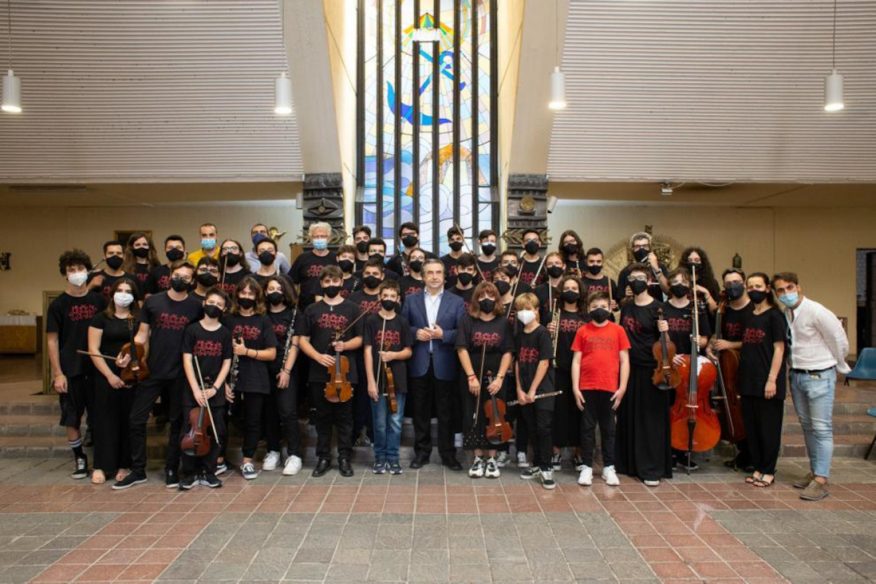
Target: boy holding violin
x=208, y=342
x=387, y=340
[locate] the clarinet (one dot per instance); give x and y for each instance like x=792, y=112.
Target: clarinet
x=288, y=343
x=235, y=371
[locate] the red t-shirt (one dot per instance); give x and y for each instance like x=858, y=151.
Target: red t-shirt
x=599, y=348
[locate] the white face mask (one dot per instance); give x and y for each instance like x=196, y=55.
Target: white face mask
x=526, y=316
x=77, y=278
x=123, y=299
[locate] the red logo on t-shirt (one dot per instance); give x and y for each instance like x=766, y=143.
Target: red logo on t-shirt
x=527, y=277
x=600, y=343
x=387, y=339
x=314, y=270
x=753, y=336
x=81, y=312
x=228, y=288
x=568, y=325
x=172, y=322
x=490, y=340
x=332, y=321
x=280, y=330
x=164, y=283
x=527, y=355
x=370, y=306
x=732, y=331
x=204, y=348
x=633, y=325
x=682, y=325
x=249, y=333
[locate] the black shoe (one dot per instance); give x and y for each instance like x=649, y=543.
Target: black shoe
x=187, y=483
x=133, y=478
x=322, y=467
x=80, y=469
x=210, y=480
x=420, y=461
x=344, y=467
x=171, y=478
x=452, y=463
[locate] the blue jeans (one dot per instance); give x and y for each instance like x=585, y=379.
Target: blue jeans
x=387, y=428
x=813, y=401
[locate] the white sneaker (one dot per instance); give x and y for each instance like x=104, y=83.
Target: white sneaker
x=248, y=471
x=502, y=459
x=547, y=479
x=492, y=470
x=272, y=459
x=652, y=483
x=585, y=477
x=293, y=465
x=557, y=461
x=221, y=468
x=521, y=460
x=457, y=440
x=476, y=471
x=610, y=477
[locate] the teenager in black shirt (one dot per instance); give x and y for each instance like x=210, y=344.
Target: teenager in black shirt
x=206, y=276
x=532, y=269
x=159, y=277
x=366, y=300
x=510, y=261
x=707, y=286
x=455, y=240
x=572, y=249
x=361, y=238
x=413, y=282
x=114, y=259
x=67, y=321
x=409, y=235
x=266, y=251
x=594, y=278
x=487, y=261
x=640, y=248
x=346, y=256
x=466, y=272
x=233, y=266
x=548, y=292
x=377, y=247
x=140, y=258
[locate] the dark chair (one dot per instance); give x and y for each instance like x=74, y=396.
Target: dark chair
x=871, y=412
x=865, y=367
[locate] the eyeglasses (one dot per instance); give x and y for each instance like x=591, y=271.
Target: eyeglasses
x=230, y=248
x=637, y=279
x=639, y=246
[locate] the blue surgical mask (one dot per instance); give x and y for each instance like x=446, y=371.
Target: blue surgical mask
x=208, y=243
x=790, y=299
x=320, y=243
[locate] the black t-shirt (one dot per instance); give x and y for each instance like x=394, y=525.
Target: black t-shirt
x=365, y=302
x=487, y=268
x=528, y=270
x=141, y=275
x=280, y=322
x=450, y=270
x=263, y=280
x=116, y=332
x=569, y=324
x=533, y=348
x=464, y=294
x=349, y=285
x=761, y=331
x=257, y=332
x=681, y=324
x=640, y=324
x=106, y=287
x=474, y=334
x=395, y=337
x=211, y=349
x=599, y=285
x=733, y=322
x=654, y=288
x=167, y=320
x=397, y=263
x=159, y=280
x=576, y=266
x=410, y=285
x=70, y=316
x=320, y=323
x=546, y=295
x=305, y=272
x=232, y=279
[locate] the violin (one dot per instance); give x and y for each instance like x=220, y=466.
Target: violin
x=137, y=370
x=666, y=375
x=390, y=379
x=196, y=442
x=498, y=429
x=727, y=363
x=338, y=388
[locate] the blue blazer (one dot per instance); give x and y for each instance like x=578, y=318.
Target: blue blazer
x=450, y=310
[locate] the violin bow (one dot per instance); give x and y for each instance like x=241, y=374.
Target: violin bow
x=224, y=267
x=470, y=252
x=380, y=349
x=201, y=385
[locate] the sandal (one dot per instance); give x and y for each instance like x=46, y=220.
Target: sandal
x=752, y=478
x=762, y=483
x=122, y=473
x=98, y=477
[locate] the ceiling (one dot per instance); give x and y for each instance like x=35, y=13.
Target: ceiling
x=127, y=91
x=699, y=90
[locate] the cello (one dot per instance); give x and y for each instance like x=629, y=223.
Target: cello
x=693, y=423
x=665, y=375
x=727, y=362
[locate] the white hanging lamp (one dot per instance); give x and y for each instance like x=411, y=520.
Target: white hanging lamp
x=11, y=84
x=558, y=78
x=283, y=95
x=833, y=83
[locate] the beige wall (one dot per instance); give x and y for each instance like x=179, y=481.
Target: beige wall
x=36, y=236
x=817, y=243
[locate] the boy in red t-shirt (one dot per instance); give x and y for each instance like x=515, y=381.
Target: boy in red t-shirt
x=600, y=370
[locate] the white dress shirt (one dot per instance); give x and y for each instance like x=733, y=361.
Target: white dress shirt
x=818, y=340
x=433, y=302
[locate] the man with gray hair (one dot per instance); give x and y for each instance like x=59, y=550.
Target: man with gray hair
x=640, y=245
x=307, y=267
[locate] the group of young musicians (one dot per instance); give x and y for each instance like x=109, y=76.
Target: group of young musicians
x=504, y=349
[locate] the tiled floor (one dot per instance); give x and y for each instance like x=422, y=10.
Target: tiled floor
x=435, y=526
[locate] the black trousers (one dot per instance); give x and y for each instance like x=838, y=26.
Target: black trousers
x=763, y=431
x=192, y=465
x=281, y=417
x=597, y=411
x=110, y=420
x=539, y=420
x=144, y=398
x=427, y=392
x=567, y=418
x=253, y=405
x=331, y=416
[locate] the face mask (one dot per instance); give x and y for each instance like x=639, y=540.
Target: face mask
x=141, y=252
x=174, y=255
x=409, y=241
x=641, y=254
x=416, y=266
x=331, y=291
x=512, y=270
x=275, y=298
x=599, y=315
x=178, y=284
x=570, y=296
x=212, y=310
x=790, y=299
x=570, y=248
x=77, y=278
x=208, y=243
x=257, y=237
x=206, y=279
x=488, y=248
x=697, y=264
x=734, y=290
x=123, y=299
x=594, y=270
x=232, y=259
x=679, y=290
x=371, y=281
x=266, y=258
x=526, y=316
x=362, y=246
x=757, y=296
x=555, y=271
x=502, y=286
x=455, y=245
x=464, y=278
x=388, y=305
x=638, y=286
x=246, y=303
x=346, y=265
x=531, y=246
x=320, y=243
x=486, y=305
x=115, y=262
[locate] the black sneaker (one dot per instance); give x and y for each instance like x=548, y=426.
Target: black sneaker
x=221, y=468
x=171, y=478
x=210, y=480
x=133, y=478
x=187, y=483
x=80, y=469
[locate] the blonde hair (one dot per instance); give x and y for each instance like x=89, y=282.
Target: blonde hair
x=526, y=300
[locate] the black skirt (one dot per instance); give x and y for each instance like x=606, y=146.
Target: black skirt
x=567, y=416
x=642, y=440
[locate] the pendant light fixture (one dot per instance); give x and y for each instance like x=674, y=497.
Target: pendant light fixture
x=558, y=78
x=11, y=84
x=833, y=83
x=283, y=95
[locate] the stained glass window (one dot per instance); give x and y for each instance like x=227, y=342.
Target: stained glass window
x=427, y=118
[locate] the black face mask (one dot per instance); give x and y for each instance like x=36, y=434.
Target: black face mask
x=570, y=248
x=570, y=296
x=178, y=284
x=455, y=245
x=246, y=303
x=206, y=279
x=734, y=290
x=141, y=252
x=679, y=290
x=641, y=254
x=416, y=265
x=362, y=246
x=275, y=298
x=346, y=265
x=555, y=271
x=409, y=241
x=371, y=281
x=599, y=315
x=758, y=296
x=502, y=286
x=465, y=278
x=594, y=270
x=531, y=246
x=486, y=305
x=174, y=255
x=212, y=310
x=488, y=248
x=266, y=258
x=388, y=305
x=512, y=270
x=638, y=286
x=232, y=259
x=115, y=262
x=331, y=291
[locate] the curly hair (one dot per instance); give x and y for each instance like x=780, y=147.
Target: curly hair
x=74, y=257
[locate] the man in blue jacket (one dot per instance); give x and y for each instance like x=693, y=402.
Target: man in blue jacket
x=434, y=368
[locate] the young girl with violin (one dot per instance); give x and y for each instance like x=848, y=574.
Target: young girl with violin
x=505, y=280
x=255, y=345
x=209, y=342
x=387, y=341
x=484, y=343
x=111, y=330
x=233, y=266
x=535, y=378
x=762, y=380
x=140, y=259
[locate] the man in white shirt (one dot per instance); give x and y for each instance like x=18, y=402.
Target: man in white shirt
x=818, y=350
